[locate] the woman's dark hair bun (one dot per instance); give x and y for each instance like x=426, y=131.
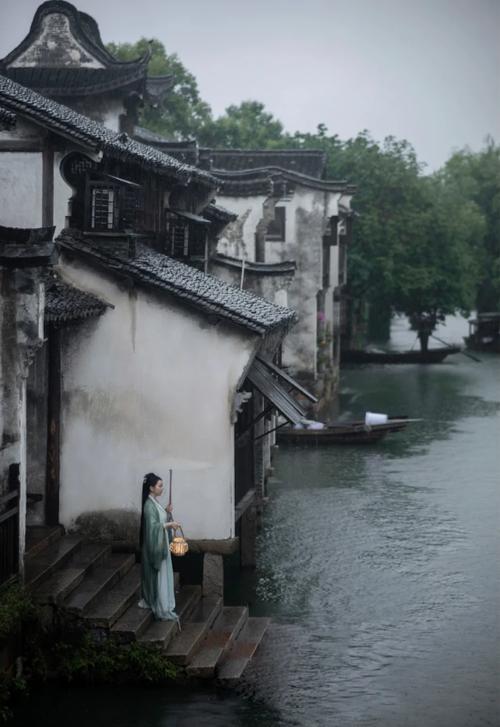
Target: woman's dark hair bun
x=150, y=479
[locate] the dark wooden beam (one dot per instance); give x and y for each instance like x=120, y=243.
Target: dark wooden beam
x=21, y=145
x=48, y=187
x=54, y=427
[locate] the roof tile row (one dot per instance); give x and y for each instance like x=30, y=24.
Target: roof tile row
x=64, y=120
x=204, y=292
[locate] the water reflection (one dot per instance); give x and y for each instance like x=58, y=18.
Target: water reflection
x=379, y=563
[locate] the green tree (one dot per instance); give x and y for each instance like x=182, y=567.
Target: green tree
x=436, y=268
x=476, y=178
x=247, y=126
x=183, y=113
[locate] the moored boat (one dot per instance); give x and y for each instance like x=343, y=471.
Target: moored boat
x=432, y=355
x=484, y=333
x=353, y=432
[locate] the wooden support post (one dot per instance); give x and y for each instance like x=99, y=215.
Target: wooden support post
x=54, y=427
x=248, y=537
x=48, y=187
x=213, y=575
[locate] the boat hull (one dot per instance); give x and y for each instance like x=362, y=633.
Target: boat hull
x=432, y=355
x=343, y=433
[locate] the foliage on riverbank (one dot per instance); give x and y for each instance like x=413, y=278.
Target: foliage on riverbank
x=68, y=653
x=17, y=613
x=81, y=658
x=16, y=608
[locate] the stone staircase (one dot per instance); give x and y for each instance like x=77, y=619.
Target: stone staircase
x=88, y=581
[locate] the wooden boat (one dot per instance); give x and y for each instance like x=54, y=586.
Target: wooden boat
x=432, y=355
x=354, y=432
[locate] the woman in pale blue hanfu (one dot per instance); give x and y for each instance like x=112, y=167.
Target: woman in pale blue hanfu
x=157, y=575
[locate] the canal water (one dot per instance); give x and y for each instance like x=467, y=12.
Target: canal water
x=379, y=566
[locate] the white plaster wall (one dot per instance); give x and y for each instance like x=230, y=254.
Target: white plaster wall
x=281, y=297
x=21, y=189
x=111, y=116
x=307, y=213
x=238, y=238
x=62, y=194
x=334, y=265
x=148, y=387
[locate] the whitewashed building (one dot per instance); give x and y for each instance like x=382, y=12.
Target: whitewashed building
x=288, y=213
x=147, y=363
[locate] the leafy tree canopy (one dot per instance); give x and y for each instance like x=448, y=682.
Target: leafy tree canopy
x=183, y=113
x=247, y=126
x=475, y=178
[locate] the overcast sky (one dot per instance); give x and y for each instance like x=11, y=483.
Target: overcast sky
x=424, y=70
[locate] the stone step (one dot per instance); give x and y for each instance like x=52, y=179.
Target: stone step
x=65, y=579
x=218, y=640
x=186, y=600
x=185, y=642
x=39, y=537
x=132, y=624
x=206, y=610
x=43, y=565
x=101, y=578
x=194, y=630
x=161, y=633
x=114, y=602
x=231, y=669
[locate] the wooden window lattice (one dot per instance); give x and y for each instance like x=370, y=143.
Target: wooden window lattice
x=185, y=239
x=114, y=207
x=103, y=207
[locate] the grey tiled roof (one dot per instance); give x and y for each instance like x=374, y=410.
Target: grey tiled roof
x=273, y=180
x=288, y=267
x=75, y=81
x=203, y=292
x=65, y=304
x=184, y=151
x=217, y=213
x=310, y=162
x=69, y=123
x=150, y=137
x=7, y=118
